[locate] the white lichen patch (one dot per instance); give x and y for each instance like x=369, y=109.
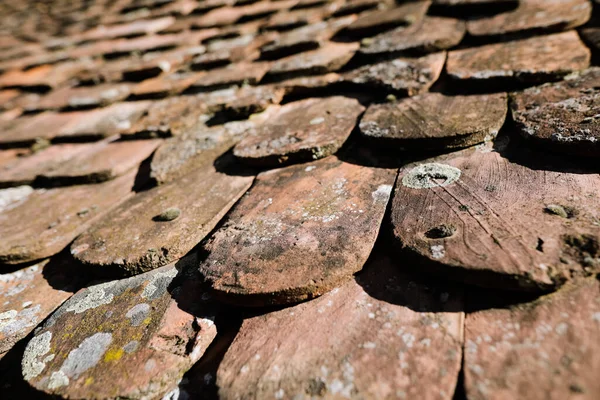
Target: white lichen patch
x=13, y=321
x=85, y=356
x=138, y=313
x=12, y=197
x=57, y=379
x=426, y=176
x=159, y=281
x=93, y=297
x=37, y=347
x=437, y=251
x=382, y=194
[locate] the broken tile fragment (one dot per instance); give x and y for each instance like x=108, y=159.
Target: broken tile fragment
x=483, y=217
x=377, y=338
x=328, y=58
x=46, y=221
x=283, y=243
x=534, y=16
x=406, y=76
x=99, y=163
x=301, y=131
x=562, y=116
x=142, y=242
x=426, y=36
x=30, y=294
x=385, y=19
x=545, y=349
x=436, y=121
x=134, y=333
x=537, y=59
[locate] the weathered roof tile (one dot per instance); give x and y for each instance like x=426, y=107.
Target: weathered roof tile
x=301, y=131
x=132, y=339
x=498, y=219
x=435, y=121
x=51, y=219
x=283, y=242
x=562, y=115
x=146, y=240
x=376, y=337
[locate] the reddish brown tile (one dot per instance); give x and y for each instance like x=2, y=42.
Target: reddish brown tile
x=130, y=332
x=130, y=29
x=562, y=116
x=99, y=162
x=31, y=294
x=537, y=59
x=382, y=20
x=83, y=97
x=330, y=57
x=145, y=239
x=534, y=16
x=551, y=346
x=281, y=242
x=407, y=76
x=234, y=74
x=27, y=130
x=429, y=35
x=479, y=217
x=165, y=85
x=375, y=339
x=300, y=131
x=46, y=221
x=436, y=121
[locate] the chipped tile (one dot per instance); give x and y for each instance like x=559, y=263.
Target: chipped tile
x=131, y=332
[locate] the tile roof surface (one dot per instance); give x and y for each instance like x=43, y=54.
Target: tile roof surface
x=299, y=199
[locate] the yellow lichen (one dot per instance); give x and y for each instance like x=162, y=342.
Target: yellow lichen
x=113, y=355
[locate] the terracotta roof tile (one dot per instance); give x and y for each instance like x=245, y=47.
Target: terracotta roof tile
x=130, y=333
x=537, y=59
x=370, y=331
x=478, y=210
x=562, y=116
x=434, y=120
x=142, y=137
x=294, y=217
x=534, y=15
x=51, y=219
x=301, y=131
x=162, y=224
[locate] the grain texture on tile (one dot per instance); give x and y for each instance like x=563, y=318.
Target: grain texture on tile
x=436, y=121
x=46, y=221
x=480, y=217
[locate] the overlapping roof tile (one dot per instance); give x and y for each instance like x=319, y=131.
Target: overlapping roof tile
x=248, y=199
